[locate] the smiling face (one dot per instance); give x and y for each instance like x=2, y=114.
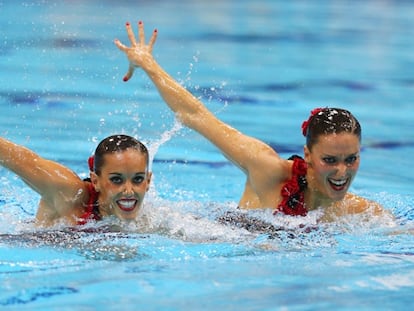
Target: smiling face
x=333, y=163
x=122, y=183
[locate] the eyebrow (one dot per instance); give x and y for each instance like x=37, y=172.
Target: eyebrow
x=335, y=156
x=136, y=173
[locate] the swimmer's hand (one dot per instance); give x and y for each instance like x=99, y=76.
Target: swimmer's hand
x=139, y=53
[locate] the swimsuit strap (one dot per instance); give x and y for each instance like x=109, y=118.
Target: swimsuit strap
x=293, y=191
x=91, y=209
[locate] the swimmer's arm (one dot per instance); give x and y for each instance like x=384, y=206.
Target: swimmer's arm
x=244, y=151
x=53, y=181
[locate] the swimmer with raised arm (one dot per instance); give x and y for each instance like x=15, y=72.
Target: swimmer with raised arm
x=119, y=180
x=320, y=179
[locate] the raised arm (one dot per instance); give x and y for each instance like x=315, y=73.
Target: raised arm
x=246, y=152
x=59, y=187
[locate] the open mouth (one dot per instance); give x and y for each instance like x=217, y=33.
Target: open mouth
x=338, y=185
x=127, y=205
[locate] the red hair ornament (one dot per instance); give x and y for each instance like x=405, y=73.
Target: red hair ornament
x=305, y=124
x=91, y=163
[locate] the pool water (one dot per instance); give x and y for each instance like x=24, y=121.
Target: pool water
x=260, y=66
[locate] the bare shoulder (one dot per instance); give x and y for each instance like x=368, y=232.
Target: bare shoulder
x=356, y=204
x=66, y=205
x=264, y=180
x=353, y=204
x=271, y=166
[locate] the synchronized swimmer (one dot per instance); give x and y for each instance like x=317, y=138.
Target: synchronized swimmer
x=319, y=180
x=119, y=180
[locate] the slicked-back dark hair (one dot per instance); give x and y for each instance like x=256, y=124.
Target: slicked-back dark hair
x=331, y=121
x=117, y=143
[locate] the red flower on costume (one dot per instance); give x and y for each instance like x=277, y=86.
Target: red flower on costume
x=293, y=191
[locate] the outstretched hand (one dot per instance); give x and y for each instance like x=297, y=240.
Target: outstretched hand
x=137, y=53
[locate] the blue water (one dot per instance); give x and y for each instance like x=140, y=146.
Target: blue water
x=261, y=66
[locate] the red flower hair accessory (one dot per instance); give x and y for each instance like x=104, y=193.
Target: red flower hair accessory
x=91, y=163
x=305, y=124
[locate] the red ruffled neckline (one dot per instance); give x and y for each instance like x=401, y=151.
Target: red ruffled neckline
x=293, y=191
x=91, y=209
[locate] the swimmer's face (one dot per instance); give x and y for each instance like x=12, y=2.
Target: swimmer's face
x=334, y=160
x=122, y=183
